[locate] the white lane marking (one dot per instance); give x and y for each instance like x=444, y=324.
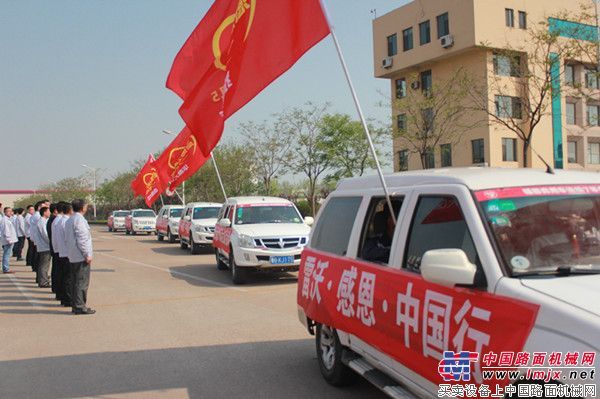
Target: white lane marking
x=23, y=291
x=205, y=280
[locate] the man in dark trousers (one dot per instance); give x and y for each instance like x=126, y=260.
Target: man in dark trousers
x=29, y=255
x=53, y=254
x=79, y=240
x=43, y=249
x=65, y=287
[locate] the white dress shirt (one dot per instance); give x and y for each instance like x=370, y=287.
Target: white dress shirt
x=27, y=225
x=58, y=235
x=79, y=238
x=19, y=223
x=9, y=235
x=43, y=242
x=33, y=222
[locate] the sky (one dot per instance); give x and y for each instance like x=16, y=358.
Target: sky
x=83, y=82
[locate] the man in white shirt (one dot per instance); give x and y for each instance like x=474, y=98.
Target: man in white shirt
x=43, y=249
x=35, y=231
x=29, y=255
x=9, y=237
x=19, y=223
x=57, y=239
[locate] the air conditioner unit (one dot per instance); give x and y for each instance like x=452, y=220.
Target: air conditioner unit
x=415, y=85
x=447, y=41
x=387, y=62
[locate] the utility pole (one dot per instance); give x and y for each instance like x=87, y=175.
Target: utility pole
x=93, y=170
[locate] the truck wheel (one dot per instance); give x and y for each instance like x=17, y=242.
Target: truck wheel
x=220, y=264
x=127, y=232
x=110, y=229
x=170, y=236
x=238, y=274
x=159, y=236
x=194, y=248
x=329, y=355
x=133, y=232
x=182, y=244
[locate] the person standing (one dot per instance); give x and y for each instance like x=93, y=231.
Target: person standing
x=53, y=255
x=58, y=236
x=29, y=254
x=35, y=218
x=79, y=239
x=43, y=249
x=9, y=238
x=19, y=223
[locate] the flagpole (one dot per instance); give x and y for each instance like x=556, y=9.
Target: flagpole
x=358, y=109
x=218, y=175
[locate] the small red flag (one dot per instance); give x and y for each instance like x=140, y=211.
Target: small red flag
x=238, y=49
x=149, y=182
x=181, y=159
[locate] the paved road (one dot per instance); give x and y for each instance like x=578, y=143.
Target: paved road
x=169, y=325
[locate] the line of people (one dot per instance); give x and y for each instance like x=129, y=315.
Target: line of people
x=59, y=248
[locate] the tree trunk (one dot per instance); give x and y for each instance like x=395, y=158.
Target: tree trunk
x=423, y=160
x=312, y=199
x=525, y=157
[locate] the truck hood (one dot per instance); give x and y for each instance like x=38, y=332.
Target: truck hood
x=138, y=219
x=204, y=222
x=580, y=291
x=261, y=230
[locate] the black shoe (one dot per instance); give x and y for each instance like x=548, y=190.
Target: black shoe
x=45, y=286
x=84, y=311
x=19, y=259
x=66, y=304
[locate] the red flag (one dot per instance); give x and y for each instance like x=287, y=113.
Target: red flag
x=237, y=50
x=181, y=159
x=149, y=182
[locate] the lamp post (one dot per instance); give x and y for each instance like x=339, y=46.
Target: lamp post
x=170, y=133
x=94, y=171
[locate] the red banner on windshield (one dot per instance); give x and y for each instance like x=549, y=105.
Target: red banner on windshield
x=537, y=191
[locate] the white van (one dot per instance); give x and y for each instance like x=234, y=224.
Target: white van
x=486, y=270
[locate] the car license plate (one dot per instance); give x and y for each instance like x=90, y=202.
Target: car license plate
x=282, y=260
x=147, y=227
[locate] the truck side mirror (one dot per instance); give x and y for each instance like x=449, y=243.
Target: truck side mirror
x=448, y=267
x=309, y=220
x=225, y=222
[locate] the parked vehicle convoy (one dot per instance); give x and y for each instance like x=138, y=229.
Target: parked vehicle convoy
x=167, y=222
x=197, y=225
x=140, y=221
x=481, y=260
x=116, y=220
x=259, y=233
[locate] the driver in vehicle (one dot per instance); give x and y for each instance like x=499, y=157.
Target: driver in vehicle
x=377, y=246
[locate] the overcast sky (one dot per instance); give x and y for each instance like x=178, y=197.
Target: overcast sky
x=83, y=81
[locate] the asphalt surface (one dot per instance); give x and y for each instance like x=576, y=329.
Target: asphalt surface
x=169, y=325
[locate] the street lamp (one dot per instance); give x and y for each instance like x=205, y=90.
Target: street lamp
x=94, y=170
x=170, y=133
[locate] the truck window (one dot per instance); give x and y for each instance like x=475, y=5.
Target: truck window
x=334, y=227
x=378, y=230
x=438, y=223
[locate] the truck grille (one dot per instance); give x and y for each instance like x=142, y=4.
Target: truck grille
x=280, y=243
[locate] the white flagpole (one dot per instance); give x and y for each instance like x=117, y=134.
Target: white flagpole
x=218, y=175
x=359, y=109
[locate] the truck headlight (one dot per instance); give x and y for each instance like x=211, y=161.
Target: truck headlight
x=200, y=229
x=246, y=241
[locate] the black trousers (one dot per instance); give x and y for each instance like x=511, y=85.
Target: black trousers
x=18, y=248
x=30, y=259
x=44, y=259
x=65, y=286
x=80, y=273
x=54, y=274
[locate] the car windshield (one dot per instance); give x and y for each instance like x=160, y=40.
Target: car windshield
x=144, y=214
x=176, y=213
x=121, y=214
x=267, y=214
x=545, y=229
x=206, y=213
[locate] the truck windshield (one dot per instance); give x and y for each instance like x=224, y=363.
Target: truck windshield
x=175, y=213
x=144, y=214
x=545, y=229
x=206, y=213
x=121, y=214
x=267, y=214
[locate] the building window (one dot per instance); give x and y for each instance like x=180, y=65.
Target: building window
x=522, y=20
x=505, y=65
x=594, y=153
x=401, y=122
x=407, y=39
x=478, y=151
x=592, y=115
x=392, y=45
x=429, y=159
x=509, y=14
x=509, y=150
x=443, y=25
x=402, y=160
x=400, y=88
x=591, y=78
x=424, y=33
x=572, y=151
x=570, y=113
x=446, y=153
x=508, y=107
x=426, y=82
x=570, y=75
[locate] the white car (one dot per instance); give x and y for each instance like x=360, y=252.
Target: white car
x=167, y=222
x=197, y=225
x=140, y=221
x=485, y=271
x=116, y=220
x=259, y=233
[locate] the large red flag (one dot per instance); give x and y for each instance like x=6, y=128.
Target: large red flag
x=238, y=49
x=181, y=159
x=149, y=182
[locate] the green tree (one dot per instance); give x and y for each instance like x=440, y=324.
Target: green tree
x=116, y=192
x=68, y=189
